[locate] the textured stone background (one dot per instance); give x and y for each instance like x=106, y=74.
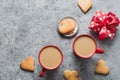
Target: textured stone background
x=28, y=25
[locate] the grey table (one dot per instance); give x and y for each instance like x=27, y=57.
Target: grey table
x=28, y=25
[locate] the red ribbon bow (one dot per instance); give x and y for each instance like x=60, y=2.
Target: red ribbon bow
x=105, y=25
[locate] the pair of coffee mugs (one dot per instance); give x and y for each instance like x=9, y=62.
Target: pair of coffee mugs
x=50, y=57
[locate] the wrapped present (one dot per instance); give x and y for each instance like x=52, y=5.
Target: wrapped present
x=105, y=25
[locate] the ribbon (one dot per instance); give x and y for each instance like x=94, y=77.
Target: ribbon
x=105, y=25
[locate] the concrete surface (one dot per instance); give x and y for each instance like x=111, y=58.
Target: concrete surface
x=28, y=25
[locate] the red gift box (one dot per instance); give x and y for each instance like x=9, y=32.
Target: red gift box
x=105, y=25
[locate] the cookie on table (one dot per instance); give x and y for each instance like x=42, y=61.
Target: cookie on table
x=85, y=5
x=28, y=64
x=102, y=68
x=71, y=75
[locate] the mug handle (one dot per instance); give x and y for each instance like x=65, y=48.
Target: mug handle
x=42, y=73
x=99, y=51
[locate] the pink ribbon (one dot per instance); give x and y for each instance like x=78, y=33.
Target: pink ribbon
x=105, y=25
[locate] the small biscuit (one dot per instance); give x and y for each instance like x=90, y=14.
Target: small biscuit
x=71, y=75
x=85, y=5
x=102, y=68
x=67, y=25
x=28, y=64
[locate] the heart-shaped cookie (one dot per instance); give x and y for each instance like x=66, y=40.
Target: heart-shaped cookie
x=28, y=64
x=85, y=5
x=71, y=75
x=102, y=68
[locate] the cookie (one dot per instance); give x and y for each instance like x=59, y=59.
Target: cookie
x=28, y=64
x=67, y=25
x=71, y=75
x=102, y=68
x=85, y=5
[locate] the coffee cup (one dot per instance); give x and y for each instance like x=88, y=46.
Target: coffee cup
x=85, y=46
x=50, y=58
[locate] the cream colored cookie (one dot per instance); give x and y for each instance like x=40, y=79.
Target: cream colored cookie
x=85, y=5
x=28, y=64
x=102, y=68
x=71, y=75
x=67, y=25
